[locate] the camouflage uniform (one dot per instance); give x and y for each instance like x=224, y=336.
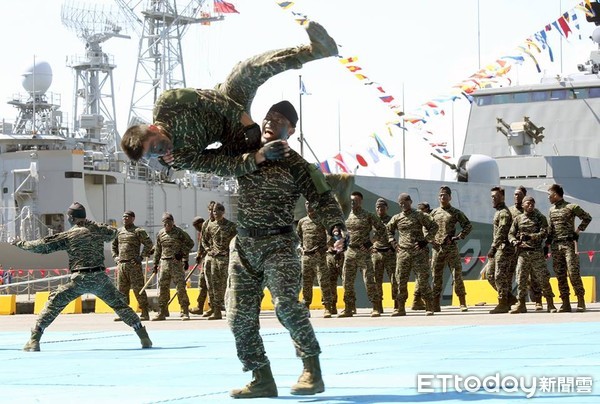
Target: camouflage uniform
x=565, y=260
x=384, y=261
x=531, y=262
x=195, y=118
x=313, y=239
x=219, y=233
x=359, y=225
x=535, y=288
x=169, y=245
x=84, y=245
x=204, y=265
x=126, y=252
x=501, y=276
x=413, y=227
x=264, y=252
x=445, y=250
x=335, y=266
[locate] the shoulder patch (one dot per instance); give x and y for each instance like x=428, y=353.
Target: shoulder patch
x=318, y=179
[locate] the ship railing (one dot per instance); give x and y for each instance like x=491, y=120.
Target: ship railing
x=23, y=224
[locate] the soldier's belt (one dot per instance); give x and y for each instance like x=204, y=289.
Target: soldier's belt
x=254, y=232
x=383, y=249
x=89, y=269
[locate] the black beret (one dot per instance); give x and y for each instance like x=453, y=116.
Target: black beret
x=286, y=109
x=76, y=210
x=129, y=213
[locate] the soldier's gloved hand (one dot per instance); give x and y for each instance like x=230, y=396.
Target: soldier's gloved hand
x=275, y=150
x=492, y=252
x=546, y=250
x=575, y=236
x=525, y=237
x=155, y=269
x=421, y=244
x=178, y=256
x=186, y=265
x=138, y=259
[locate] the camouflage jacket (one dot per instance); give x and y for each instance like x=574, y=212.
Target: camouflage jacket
x=201, y=253
x=562, y=220
x=359, y=225
x=515, y=210
x=313, y=236
x=84, y=244
x=217, y=236
x=501, y=222
x=380, y=240
x=126, y=246
x=447, y=218
x=268, y=192
x=171, y=244
x=534, y=225
x=413, y=226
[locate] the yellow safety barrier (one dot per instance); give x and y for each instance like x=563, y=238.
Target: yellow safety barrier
x=8, y=304
x=102, y=307
x=42, y=297
x=192, y=295
x=480, y=291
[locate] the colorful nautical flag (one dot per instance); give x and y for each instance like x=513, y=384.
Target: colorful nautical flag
x=339, y=160
x=285, y=4
x=303, y=88
x=224, y=7
x=324, y=166
x=380, y=145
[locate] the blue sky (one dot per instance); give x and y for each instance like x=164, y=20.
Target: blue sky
x=416, y=50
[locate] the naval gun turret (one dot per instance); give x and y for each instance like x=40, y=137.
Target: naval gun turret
x=476, y=168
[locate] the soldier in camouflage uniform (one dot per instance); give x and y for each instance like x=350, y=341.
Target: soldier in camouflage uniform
x=264, y=253
x=501, y=251
x=384, y=256
x=445, y=248
x=516, y=210
x=198, y=224
x=563, y=238
x=313, y=243
x=335, y=264
x=173, y=246
x=418, y=303
x=219, y=233
x=360, y=223
x=84, y=244
x=415, y=230
x=187, y=120
x=127, y=255
x=527, y=234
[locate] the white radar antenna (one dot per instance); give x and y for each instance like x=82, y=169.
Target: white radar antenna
x=160, y=58
x=94, y=111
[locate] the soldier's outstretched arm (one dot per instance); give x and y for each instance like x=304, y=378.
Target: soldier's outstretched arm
x=46, y=245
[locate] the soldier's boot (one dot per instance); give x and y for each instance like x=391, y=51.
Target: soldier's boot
x=520, y=307
x=502, y=307
x=185, y=313
x=512, y=299
x=327, y=311
x=566, y=305
x=208, y=313
x=310, y=381
x=550, y=305
x=202, y=296
x=162, y=315
x=429, y=307
x=580, y=303
x=145, y=316
x=217, y=315
x=400, y=310
x=144, y=338
x=380, y=306
x=321, y=44
x=418, y=303
x=262, y=385
x=375, y=312
x=538, y=304
x=33, y=345
x=463, y=303
x=334, y=308
x=347, y=312
x=436, y=303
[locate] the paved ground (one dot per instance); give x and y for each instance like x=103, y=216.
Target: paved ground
x=89, y=357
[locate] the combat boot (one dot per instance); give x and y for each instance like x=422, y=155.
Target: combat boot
x=512, y=299
x=262, y=385
x=519, y=308
x=217, y=315
x=375, y=312
x=580, y=303
x=144, y=338
x=196, y=310
x=463, y=303
x=321, y=44
x=310, y=381
x=418, y=303
x=208, y=313
x=502, y=307
x=429, y=307
x=550, y=303
x=145, y=316
x=327, y=311
x=380, y=306
x=347, y=312
x=33, y=345
x=185, y=313
x=436, y=304
x=566, y=305
x=162, y=315
x=201, y=300
x=538, y=304
x=334, y=308
x=399, y=311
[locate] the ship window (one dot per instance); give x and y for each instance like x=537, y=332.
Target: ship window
x=558, y=95
x=579, y=93
x=539, y=95
x=484, y=100
x=522, y=97
x=594, y=92
x=501, y=99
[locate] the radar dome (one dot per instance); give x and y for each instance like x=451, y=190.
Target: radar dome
x=480, y=169
x=37, y=78
x=596, y=35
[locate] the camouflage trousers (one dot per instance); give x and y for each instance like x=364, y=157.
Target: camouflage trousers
x=384, y=262
x=417, y=261
x=216, y=280
x=273, y=262
x=172, y=270
x=131, y=276
x=202, y=285
x=96, y=283
x=565, y=262
x=315, y=265
x=358, y=259
x=502, y=271
x=532, y=265
x=335, y=265
x=442, y=255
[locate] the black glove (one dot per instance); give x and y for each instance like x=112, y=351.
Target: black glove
x=178, y=256
x=422, y=244
x=492, y=252
x=186, y=265
x=546, y=250
x=525, y=237
x=575, y=236
x=155, y=269
x=274, y=150
x=138, y=259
